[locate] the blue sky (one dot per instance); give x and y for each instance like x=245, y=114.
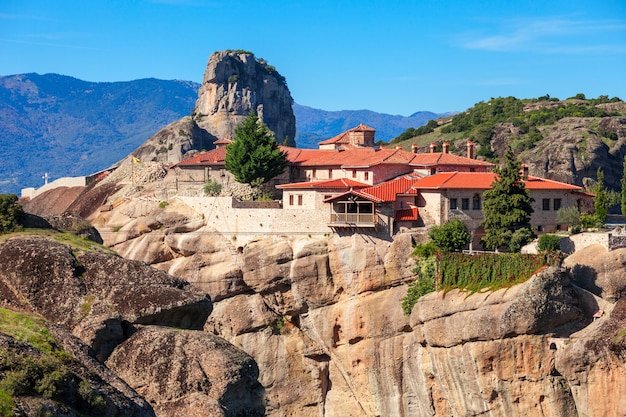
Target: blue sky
x=395, y=57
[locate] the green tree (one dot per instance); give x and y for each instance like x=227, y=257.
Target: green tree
x=451, y=236
x=507, y=208
x=254, y=156
x=11, y=213
x=601, y=200
x=623, y=200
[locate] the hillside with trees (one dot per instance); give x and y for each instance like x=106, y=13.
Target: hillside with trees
x=565, y=140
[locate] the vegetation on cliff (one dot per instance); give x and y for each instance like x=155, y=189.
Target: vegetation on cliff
x=254, y=157
x=527, y=115
x=472, y=273
x=32, y=364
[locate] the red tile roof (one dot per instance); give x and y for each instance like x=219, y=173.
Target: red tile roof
x=407, y=214
x=353, y=158
x=388, y=191
x=340, y=183
x=483, y=181
x=213, y=157
x=343, y=137
x=443, y=158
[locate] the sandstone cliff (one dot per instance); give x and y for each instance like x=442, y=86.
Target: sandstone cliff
x=234, y=83
x=322, y=318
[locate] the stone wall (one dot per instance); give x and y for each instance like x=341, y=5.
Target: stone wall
x=247, y=223
x=61, y=182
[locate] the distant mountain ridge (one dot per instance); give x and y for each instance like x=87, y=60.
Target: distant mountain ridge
x=64, y=126
x=68, y=127
x=314, y=125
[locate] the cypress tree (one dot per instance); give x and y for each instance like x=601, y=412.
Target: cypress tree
x=623, y=205
x=507, y=208
x=254, y=156
x=601, y=201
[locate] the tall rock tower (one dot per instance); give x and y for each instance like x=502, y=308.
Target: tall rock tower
x=234, y=83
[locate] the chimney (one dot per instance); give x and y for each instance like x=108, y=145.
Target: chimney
x=446, y=147
x=525, y=171
x=470, y=149
x=433, y=147
x=414, y=148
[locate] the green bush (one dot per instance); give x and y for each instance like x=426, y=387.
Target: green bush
x=11, y=213
x=426, y=250
x=212, y=188
x=451, y=236
x=549, y=242
x=568, y=215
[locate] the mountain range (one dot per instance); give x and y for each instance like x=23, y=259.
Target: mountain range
x=64, y=126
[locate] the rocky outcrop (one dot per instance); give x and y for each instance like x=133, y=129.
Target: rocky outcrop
x=172, y=370
x=174, y=142
x=107, y=301
x=235, y=83
x=87, y=387
x=599, y=271
x=593, y=365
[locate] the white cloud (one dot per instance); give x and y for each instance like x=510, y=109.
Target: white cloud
x=552, y=35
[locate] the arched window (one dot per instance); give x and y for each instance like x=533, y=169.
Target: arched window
x=476, y=202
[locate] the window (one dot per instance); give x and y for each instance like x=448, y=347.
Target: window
x=299, y=199
x=353, y=173
x=465, y=204
x=330, y=173
x=367, y=175
x=222, y=172
x=453, y=204
x=291, y=199
x=476, y=202
x=314, y=173
x=433, y=171
x=546, y=204
x=556, y=204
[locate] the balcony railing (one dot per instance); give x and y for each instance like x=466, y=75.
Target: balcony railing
x=353, y=219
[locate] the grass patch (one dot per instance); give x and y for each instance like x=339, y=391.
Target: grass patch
x=28, y=328
x=76, y=242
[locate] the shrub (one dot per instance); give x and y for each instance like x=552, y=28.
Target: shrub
x=568, y=215
x=451, y=236
x=11, y=213
x=163, y=204
x=425, y=250
x=549, y=242
x=424, y=284
x=212, y=188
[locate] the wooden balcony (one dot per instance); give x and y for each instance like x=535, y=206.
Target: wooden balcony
x=353, y=220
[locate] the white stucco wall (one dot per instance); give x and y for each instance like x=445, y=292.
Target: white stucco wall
x=246, y=224
x=61, y=182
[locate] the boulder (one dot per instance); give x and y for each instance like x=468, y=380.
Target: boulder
x=599, y=270
x=189, y=373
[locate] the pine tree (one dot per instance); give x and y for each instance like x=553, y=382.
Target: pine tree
x=254, y=156
x=623, y=205
x=507, y=208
